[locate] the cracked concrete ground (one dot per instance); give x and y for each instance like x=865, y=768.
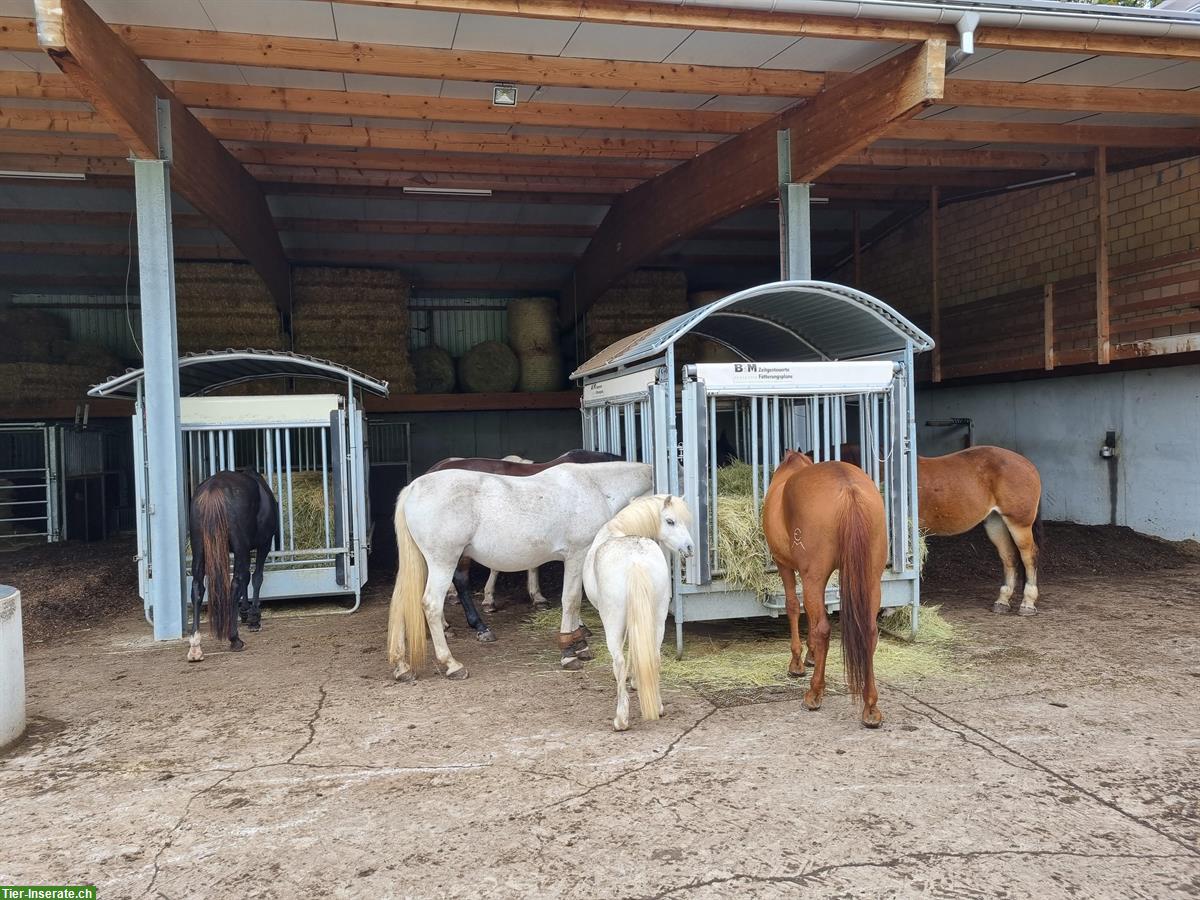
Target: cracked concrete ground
x=1058, y=760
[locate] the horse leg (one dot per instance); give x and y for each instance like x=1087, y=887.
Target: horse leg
x=195, y=654
x=1022, y=536
x=871, y=716
x=474, y=619
x=260, y=563
x=535, y=590
x=434, y=601
x=999, y=535
x=241, y=580
x=489, y=591
x=571, y=640
x=788, y=577
x=818, y=637
x=614, y=635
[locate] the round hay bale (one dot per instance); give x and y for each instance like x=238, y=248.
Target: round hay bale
x=541, y=372
x=532, y=323
x=489, y=368
x=433, y=368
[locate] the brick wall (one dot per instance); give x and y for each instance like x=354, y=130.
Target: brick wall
x=998, y=253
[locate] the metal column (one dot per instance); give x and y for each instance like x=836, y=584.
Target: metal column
x=164, y=450
x=795, y=218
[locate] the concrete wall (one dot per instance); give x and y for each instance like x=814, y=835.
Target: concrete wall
x=1059, y=423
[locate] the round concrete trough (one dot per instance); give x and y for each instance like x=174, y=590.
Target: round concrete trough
x=12, y=667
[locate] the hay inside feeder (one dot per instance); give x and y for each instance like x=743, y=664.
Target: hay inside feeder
x=309, y=514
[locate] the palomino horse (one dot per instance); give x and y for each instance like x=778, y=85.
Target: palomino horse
x=528, y=467
x=625, y=576
x=995, y=486
x=819, y=517
x=231, y=512
x=506, y=523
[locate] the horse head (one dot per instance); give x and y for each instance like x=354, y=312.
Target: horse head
x=673, y=530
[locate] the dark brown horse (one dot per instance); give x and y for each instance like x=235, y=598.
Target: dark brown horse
x=231, y=512
x=512, y=469
x=995, y=486
x=819, y=517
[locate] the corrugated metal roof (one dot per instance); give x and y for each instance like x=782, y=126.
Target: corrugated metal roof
x=200, y=373
x=786, y=321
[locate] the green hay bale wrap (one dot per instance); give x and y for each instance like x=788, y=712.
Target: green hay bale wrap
x=433, y=368
x=489, y=368
x=541, y=371
x=533, y=324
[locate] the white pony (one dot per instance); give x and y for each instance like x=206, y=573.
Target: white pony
x=506, y=523
x=628, y=580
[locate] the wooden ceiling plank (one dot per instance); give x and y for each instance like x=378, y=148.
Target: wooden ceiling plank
x=936, y=129
x=742, y=172
x=124, y=91
x=1011, y=95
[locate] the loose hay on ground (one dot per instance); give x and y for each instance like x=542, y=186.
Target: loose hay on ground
x=754, y=653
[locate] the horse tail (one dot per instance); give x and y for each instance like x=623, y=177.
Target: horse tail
x=1039, y=531
x=854, y=583
x=407, y=606
x=645, y=658
x=214, y=526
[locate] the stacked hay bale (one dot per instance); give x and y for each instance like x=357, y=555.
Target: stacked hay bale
x=433, y=370
x=40, y=364
x=357, y=318
x=533, y=334
x=638, y=301
x=489, y=368
x=219, y=305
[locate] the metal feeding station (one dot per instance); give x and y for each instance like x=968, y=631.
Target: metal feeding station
x=824, y=366
x=317, y=440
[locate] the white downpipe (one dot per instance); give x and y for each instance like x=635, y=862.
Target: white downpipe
x=966, y=26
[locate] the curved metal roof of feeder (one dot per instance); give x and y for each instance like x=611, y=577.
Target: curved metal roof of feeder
x=202, y=373
x=785, y=321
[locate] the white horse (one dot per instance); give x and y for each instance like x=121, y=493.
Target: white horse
x=628, y=580
x=505, y=523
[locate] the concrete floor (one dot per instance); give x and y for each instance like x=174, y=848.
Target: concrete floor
x=1059, y=761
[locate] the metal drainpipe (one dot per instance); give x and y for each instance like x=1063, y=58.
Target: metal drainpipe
x=966, y=26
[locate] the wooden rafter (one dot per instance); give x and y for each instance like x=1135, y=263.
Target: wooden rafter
x=1010, y=95
x=122, y=89
x=936, y=129
x=318, y=54
x=731, y=17
x=742, y=172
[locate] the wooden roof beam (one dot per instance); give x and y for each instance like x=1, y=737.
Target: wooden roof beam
x=742, y=172
x=320, y=54
x=125, y=91
x=1077, y=98
x=937, y=129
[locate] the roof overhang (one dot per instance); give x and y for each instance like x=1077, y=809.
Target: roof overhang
x=203, y=373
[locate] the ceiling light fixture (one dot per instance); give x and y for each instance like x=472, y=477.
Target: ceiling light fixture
x=504, y=95
x=58, y=176
x=449, y=191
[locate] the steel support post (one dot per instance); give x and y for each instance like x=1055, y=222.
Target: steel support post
x=795, y=218
x=164, y=447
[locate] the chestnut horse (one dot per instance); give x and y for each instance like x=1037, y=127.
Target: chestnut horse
x=819, y=517
x=995, y=486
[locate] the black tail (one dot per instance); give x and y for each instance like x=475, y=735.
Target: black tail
x=214, y=526
x=1039, y=532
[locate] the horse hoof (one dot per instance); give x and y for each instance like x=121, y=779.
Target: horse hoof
x=572, y=664
x=256, y=627
x=1000, y=607
x=1027, y=611
x=618, y=725
x=584, y=652
x=237, y=645
x=872, y=718
x=197, y=656
x=812, y=704
x=459, y=674
x=486, y=637
x=489, y=607
x=408, y=676
x=448, y=631
x=792, y=674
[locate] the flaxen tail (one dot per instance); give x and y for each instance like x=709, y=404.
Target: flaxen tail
x=854, y=582
x=406, y=618
x=214, y=525
x=645, y=660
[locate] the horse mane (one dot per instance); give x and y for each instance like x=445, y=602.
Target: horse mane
x=641, y=517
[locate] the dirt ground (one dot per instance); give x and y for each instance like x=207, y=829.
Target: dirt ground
x=1058, y=757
